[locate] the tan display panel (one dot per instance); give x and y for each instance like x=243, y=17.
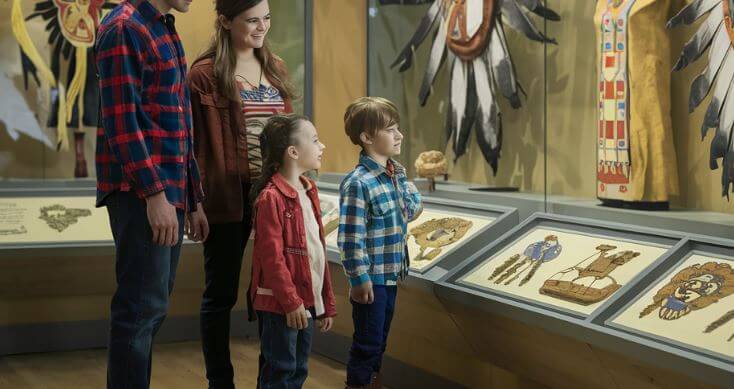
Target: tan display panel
x=420, y=262
x=689, y=305
x=52, y=220
x=329, y=212
x=416, y=263
x=579, y=278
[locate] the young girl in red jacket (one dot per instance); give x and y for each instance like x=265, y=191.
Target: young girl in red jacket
x=291, y=286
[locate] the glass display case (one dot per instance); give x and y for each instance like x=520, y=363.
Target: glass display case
x=32, y=145
x=57, y=266
x=622, y=137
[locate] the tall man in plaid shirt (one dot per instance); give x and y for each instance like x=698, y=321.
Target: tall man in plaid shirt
x=146, y=174
x=376, y=203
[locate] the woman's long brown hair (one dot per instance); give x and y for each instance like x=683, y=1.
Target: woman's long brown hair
x=222, y=51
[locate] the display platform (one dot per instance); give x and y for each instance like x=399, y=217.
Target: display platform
x=689, y=306
x=583, y=284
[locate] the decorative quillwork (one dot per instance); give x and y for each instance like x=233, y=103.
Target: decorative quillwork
x=564, y=269
x=530, y=260
x=613, y=153
x=434, y=234
x=693, y=305
x=693, y=288
x=52, y=220
x=59, y=217
x=589, y=281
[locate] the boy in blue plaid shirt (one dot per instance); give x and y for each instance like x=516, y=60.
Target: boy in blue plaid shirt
x=376, y=203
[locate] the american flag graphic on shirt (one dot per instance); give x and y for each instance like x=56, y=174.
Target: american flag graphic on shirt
x=258, y=105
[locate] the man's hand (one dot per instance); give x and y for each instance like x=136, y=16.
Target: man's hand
x=326, y=323
x=197, y=226
x=362, y=294
x=162, y=219
x=297, y=319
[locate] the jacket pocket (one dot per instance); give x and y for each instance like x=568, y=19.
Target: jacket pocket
x=214, y=111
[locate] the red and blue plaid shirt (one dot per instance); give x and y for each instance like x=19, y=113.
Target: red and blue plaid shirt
x=144, y=142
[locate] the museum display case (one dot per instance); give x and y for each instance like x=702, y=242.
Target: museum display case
x=603, y=143
x=35, y=142
x=561, y=278
x=57, y=258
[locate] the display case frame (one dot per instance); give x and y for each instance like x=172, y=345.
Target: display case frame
x=504, y=218
x=690, y=246
x=591, y=329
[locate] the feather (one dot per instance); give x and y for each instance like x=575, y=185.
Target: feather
x=720, y=142
x=458, y=102
x=701, y=41
x=727, y=317
x=405, y=58
x=501, y=64
x=464, y=123
x=536, y=7
x=435, y=60
x=722, y=91
x=504, y=266
x=532, y=272
x=518, y=20
x=692, y=12
x=702, y=84
x=489, y=126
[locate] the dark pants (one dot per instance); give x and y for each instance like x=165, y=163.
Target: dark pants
x=371, y=328
x=145, y=274
x=283, y=352
x=223, y=251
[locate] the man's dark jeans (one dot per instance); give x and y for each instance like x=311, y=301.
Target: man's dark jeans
x=145, y=273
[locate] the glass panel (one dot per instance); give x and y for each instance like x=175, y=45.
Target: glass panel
x=390, y=27
x=28, y=143
x=661, y=156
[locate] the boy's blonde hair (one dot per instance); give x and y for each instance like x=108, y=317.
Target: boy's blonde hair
x=369, y=114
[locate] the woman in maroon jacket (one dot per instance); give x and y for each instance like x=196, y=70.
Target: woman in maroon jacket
x=236, y=85
x=291, y=285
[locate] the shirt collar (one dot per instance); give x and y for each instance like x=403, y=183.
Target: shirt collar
x=286, y=188
x=151, y=13
x=376, y=169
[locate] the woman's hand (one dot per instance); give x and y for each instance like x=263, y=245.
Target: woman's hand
x=197, y=226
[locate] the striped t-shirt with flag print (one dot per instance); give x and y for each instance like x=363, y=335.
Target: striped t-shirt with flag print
x=258, y=106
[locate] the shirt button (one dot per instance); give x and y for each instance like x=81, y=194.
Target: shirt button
x=180, y=108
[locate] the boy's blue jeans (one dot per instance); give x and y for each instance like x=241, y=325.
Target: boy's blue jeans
x=371, y=328
x=283, y=352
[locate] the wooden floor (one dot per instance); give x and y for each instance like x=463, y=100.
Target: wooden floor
x=176, y=365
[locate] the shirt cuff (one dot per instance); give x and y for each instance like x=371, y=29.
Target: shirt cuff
x=150, y=190
x=359, y=280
